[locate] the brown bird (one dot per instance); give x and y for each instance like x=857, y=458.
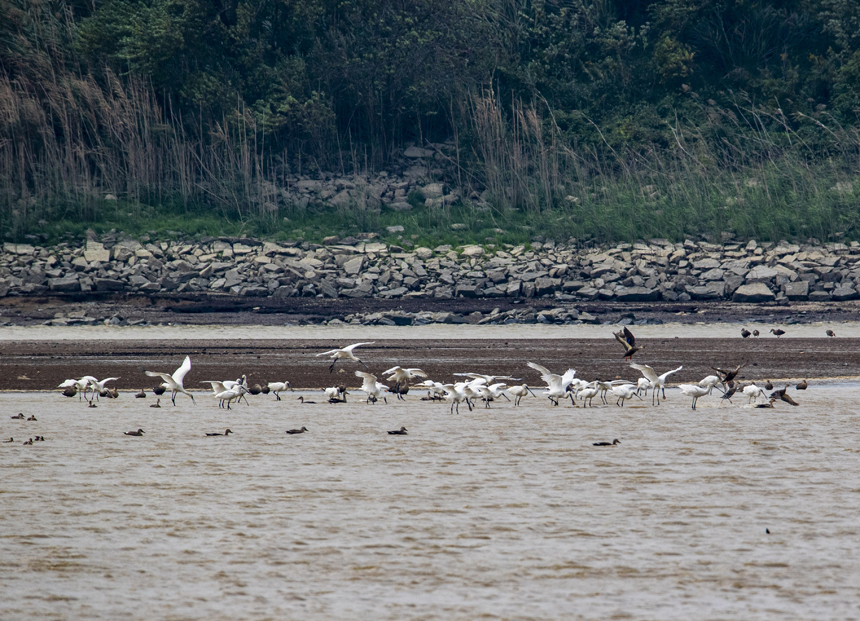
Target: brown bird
x=755, y=332
x=18, y=416
x=157, y=404
x=226, y=433
x=265, y=389
x=781, y=394
x=10, y=440
x=30, y=441
x=295, y=431
x=256, y=389
x=731, y=389
x=398, y=432
x=613, y=443
x=728, y=375
x=626, y=338
x=745, y=333
x=159, y=390
x=768, y=385
x=71, y=391
x=769, y=404
x=777, y=332
x=831, y=333
x=139, y=432
x=802, y=385
x=33, y=418
x=140, y=395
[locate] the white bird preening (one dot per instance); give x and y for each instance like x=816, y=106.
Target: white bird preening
x=456, y=394
x=658, y=382
x=625, y=392
x=588, y=392
x=344, y=353
x=401, y=377
x=695, y=391
x=174, y=382
x=372, y=387
x=276, y=387
x=754, y=392
x=490, y=393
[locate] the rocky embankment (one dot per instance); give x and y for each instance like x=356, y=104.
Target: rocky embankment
x=367, y=268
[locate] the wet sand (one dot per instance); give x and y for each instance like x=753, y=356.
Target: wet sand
x=43, y=364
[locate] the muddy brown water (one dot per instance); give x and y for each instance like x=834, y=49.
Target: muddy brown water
x=500, y=513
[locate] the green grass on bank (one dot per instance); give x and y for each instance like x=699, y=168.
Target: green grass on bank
x=768, y=203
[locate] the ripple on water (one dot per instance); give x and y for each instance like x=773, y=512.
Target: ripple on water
x=514, y=514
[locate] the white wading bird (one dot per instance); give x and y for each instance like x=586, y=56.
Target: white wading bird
x=401, y=377
x=754, y=392
x=658, y=382
x=624, y=392
x=174, y=382
x=558, y=386
x=434, y=389
x=99, y=387
x=276, y=387
x=490, y=393
x=519, y=392
x=344, y=353
x=588, y=393
x=81, y=385
x=709, y=382
x=695, y=391
x=371, y=387
x=456, y=394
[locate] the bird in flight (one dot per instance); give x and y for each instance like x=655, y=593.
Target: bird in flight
x=626, y=338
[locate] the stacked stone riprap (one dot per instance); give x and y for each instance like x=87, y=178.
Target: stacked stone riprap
x=363, y=268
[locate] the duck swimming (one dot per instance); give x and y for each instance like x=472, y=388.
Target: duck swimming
x=140, y=395
x=139, y=432
x=801, y=386
x=398, y=432
x=306, y=402
x=33, y=418
x=613, y=443
x=30, y=441
x=18, y=417
x=10, y=440
x=226, y=433
x=295, y=431
x=768, y=385
x=157, y=404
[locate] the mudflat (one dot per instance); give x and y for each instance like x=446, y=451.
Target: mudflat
x=43, y=364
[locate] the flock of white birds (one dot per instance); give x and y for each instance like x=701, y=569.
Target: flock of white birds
x=474, y=388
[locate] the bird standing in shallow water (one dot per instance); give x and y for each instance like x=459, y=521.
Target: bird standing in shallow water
x=613, y=443
x=831, y=333
x=802, y=385
x=175, y=382
x=777, y=332
x=398, y=432
x=140, y=395
x=768, y=385
x=756, y=332
x=745, y=333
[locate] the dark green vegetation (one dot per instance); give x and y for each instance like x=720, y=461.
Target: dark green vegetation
x=612, y=119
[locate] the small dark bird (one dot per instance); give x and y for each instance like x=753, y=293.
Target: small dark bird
x=295, y=431
x=139, y=432
x=10, y=440
x=626, y=338
x=769, y=404
x=801, y=386
x=18, y=416
x=140, y=395
x=728, y=375
x=306, y=402
x=256, y=389
x=778, y=332
x=265, y=389
x=71, y=391
x=755, y=333
x=613, y=443
x=30, y=441
x=40, y=438
x=92, y=404
x=226, y=433
x=745, y=333
x=768, y=385
x=159, y=390
x=157, y=404
x=831, y=333
x=33, y=418
x=767, y=530
x=398, y=432
x=781, y=394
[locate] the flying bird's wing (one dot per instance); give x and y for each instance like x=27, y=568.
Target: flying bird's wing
x=628, y=336
x=182, y=371
x=647, y=372
x=163, y=376
x=349, y=348
x=668, y=373
x=367, y=377
x=619, y=336
x=216, y=386
x=392, y=370
x=540, y=369
x=415, y=372
x=329, y=352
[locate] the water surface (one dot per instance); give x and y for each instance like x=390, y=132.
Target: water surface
x=500, y=513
